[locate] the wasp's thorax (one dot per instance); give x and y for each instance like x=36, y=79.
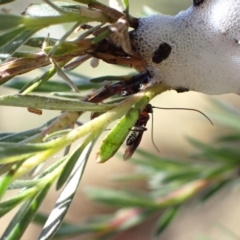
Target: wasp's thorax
x=198, y=49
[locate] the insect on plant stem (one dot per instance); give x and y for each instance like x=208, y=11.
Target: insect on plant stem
x=134, y=138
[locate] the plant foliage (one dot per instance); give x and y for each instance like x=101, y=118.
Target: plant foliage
x=172, y=181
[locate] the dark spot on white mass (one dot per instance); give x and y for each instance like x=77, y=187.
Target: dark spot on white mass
x=161, y=53
x=182, y=89
x=198, y=2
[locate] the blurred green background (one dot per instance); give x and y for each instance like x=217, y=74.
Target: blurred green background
x=170, y=131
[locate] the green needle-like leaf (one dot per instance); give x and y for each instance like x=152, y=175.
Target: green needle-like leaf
x=23, y=184
x=37, y=82
x=31, y=183
x=71, y=161
x=120, y=198
x=8, y=150
x=6, y=1
x=51, y=86
x=221, y=154
x=229, y=138
x=24, y=216
x=13, y=39
x=213, y=189
x=101, y=36
x=5, y=37
x=182, y=176
x=8, y=205
x=69, y=229
x=9, y=21
x=165, y=219
x=125, y=4
x=108, y=225
x=21, y=136
x=37, y=42
x=4, y=183
x=112, y=78
x=57, y=215
x=159, y=163
x=34, y=101
x=85, y=1
x=118, y=134
x=30, y=193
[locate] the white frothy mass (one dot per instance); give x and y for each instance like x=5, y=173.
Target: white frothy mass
x=205, y=42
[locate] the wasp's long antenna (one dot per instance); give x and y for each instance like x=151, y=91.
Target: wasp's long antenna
x=135, y=137
x=153, y=142
x=187, y=109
